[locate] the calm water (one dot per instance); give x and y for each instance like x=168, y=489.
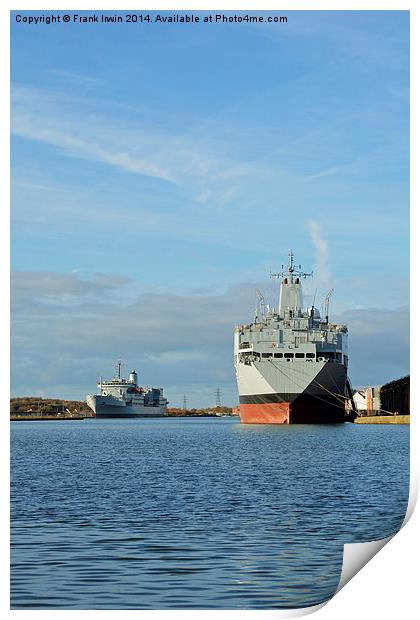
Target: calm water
x=206, y=513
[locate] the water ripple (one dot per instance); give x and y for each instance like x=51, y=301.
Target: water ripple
x=196, y=514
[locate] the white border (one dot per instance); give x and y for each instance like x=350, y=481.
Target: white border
x=387, y=586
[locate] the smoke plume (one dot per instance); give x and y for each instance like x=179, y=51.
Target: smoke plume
x=322, y=272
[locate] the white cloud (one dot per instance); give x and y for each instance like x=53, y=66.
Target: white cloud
x=179, y=356
x=74, y=77
x=65, y=135
x=325, y=173
x=188, y=160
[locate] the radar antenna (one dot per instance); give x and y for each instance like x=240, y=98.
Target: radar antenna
x=291, y=271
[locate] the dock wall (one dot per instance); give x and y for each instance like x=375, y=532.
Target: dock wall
x=383, y=419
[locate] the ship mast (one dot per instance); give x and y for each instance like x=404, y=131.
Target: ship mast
x=291, y=267
x=118, y=367
x=290, y=287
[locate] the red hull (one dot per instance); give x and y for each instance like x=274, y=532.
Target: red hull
x=265, y=413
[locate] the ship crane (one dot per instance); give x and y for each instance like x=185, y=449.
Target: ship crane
x=326, y=303
x=260, y=307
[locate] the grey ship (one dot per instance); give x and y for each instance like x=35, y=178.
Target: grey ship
x=291, y=363
x=124, y=398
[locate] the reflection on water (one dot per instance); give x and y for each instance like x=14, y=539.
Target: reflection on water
x=206, y=513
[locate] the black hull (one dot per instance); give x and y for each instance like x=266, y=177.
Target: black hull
x=309, y=409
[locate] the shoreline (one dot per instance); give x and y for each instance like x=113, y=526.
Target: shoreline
x=37, y=418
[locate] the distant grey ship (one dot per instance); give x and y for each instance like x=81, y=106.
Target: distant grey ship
x=124, y=398
x=291, y=363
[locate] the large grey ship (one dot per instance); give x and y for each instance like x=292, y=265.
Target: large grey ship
x=291, y=362
x=124, y=398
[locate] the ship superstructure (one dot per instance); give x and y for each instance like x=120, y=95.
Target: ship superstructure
x=124, y=398
x=291, y=362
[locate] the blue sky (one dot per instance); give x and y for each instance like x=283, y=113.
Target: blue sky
x=160, y=171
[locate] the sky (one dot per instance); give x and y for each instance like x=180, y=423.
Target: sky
x=160, y=172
